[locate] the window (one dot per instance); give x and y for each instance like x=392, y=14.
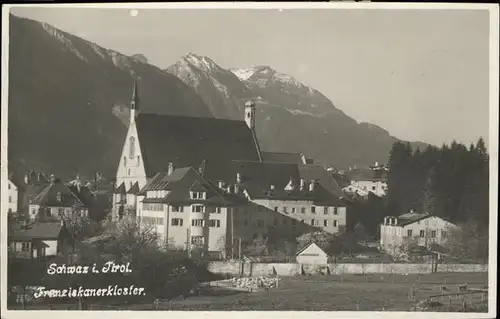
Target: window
x=313, y=222
x=410, y=232
x=177, y=209
x=10, y=199
x=197, y=240
x=218, y=210
x=293, y=210
x=433, y=234
x=326, y=210
x=138, y=161
x=157, y=207
x=61, y=211
x=335, y=223
x=285, y=210
x=422, y=233
x=303, y=210
x=197, y=222
x=128, y=171
x=335, y=210
x=194, y=195
x=58, y=196
x=443, y=234
x=275, y=208
x=47, y=212
x=215, y=223
x=25, y=246
x=177, y=221
x=198, y=208
x=325, y=223
x=33, y=211
x=9, y=186
x=373, y=188
x=124, y=160
x=313, y=209
x=302, y=221
x=152, y=220
x=132, y=147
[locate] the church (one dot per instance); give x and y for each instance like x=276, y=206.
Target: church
x=155, y=142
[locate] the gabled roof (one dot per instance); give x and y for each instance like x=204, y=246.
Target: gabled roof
x=180, y=183
x=134, y=189
x=307, y=246
x=187, y=141
x=258, y=177
x=280, y=157
x=367, y=174
x=121, y=189
x=38, y=231
x=70, y=196
x=17, y=181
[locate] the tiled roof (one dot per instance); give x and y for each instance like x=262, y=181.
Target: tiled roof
x=179, y=184
x=120, y=189
x=257, y=178
x=366, y=174
x=278, y=157
x=38, y=231
x=187, y=141
x=134, y=189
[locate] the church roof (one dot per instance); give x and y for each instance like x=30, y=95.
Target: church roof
x=187, y=141
x=280, y=157
x=134, y=189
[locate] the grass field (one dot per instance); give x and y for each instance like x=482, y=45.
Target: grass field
x=373, y=292
x=339, y=293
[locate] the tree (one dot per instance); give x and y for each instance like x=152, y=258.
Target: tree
x=78, y=226
x=468, y=242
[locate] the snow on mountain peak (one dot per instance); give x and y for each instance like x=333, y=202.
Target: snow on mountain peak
x=201, y=62
x=243, y=74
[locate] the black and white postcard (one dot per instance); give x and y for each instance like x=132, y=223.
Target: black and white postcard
x=332, y=159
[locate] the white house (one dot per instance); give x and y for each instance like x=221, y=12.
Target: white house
x=369, y=180
x=37, y=240
x=421, y=229
x=16, y=190
x=312, y=254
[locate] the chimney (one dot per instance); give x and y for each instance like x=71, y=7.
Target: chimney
x=229, y=189
x=221, y=184
x=272, y=187
x=238, y=178
x=78, y=183
x=376, y=164
x=170, y=168
x=302, y=184
x=236, y=189
x=311, y=186
x=26, y=179
x=52, y=179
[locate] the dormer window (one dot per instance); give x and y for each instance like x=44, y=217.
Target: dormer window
x=59, y=197
x=197, y=195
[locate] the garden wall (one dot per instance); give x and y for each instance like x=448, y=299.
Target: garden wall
x=263, y=269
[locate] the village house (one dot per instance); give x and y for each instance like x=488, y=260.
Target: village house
x=59, y=199
x=367, y=180
x=16, y=189
x=34, y=184
x=32, y=241
x=311, y=254
x=420, y=229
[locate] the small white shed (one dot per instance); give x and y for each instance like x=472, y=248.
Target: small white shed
x=311, y=254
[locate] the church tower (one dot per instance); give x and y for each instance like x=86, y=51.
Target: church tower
x=134, y=103
x=250, y=114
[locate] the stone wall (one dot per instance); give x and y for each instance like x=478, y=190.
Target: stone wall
x=261, y=269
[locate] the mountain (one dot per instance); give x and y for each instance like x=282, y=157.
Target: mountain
x=291, y=116
x=68, y=100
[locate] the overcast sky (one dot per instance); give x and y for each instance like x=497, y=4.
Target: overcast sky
x=420, y=74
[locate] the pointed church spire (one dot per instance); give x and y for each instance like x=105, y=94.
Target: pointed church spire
x=134, y=103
